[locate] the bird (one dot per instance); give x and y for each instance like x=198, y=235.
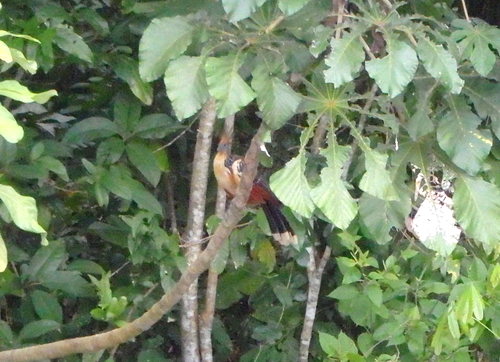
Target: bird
x=228, y=169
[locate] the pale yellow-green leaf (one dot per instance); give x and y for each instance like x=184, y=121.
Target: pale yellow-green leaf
x=9, y=129
x=3, y=255
x=5, y=53
x=15, y=90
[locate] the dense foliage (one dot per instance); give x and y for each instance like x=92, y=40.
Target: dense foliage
x=406, y=96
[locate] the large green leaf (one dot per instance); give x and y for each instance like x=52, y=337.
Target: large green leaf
x=22, y=210
x=486, y=98
x=290, y=7
x=90, y=129
x=226, y=85
x=9, y=129
x=127, y=69
x=459, y=137
x=15, y=90
x=239, y=10
x=477, y=206
x=440, y=64
x=144, y=159
x=331, y=195
x=277, y=101
x=36, y=329
x=394, y=71
x=126, y=113
x=420, y=123
x=379, y=216
x=45, y=261
x=72, y=43
x=163, y=40
x=187, y=96
x=376, y=181
x=291, y=187
x=345, y=59
x=47, y=306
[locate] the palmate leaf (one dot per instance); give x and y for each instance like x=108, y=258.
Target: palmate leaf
x=477, y=206
x=187, y=96
x=226, y=85
x=394, y=71
x=291, y=186
x=290, y=7
x=376, y=181
x=331, y=195
x=345, y=59
x=239, y=10
x=485, y=96
x=440, y=64
x=163, y=40
x=459, y=137
x=9, y=129
x=475, y=41
x=277, y=101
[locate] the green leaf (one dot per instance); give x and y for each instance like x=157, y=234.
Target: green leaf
x=331, y=195
x=144, y=159
x=37, y=328
x=374, y=293
x=345, y=59
x=3, y=255
x=277, y=101
x=127, y=69
x=226, y=85
x=377, y=181
x=347, y=345
x=378, y=216
x=47, y=306
x=291, y=187
x=218, y=264
x=13, y=89
x=321, y=39
x=239, y=10
x=290, y=7
x=265, y=253
x=394, y=71
x=283, y=293
x=5, y=53
x=329, y=344
x=27, y=64
x=70, y=282
x=477, y=206
x=485, y=96
x=344, y=292
x=440, y=64
x=156, y=125
x=54, y=165
x=459, y=137
x=9, y=129
x=6, y=335
x=187, y=96
x=420, y=123
x=22, y=210
x=45, y=261
x=72, y=43
x=90, y=129
x=126, y=113
x=163, y=40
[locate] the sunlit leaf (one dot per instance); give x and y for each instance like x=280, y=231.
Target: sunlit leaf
x=239, y=10
x=13, y=89
x=290, y=7
x=459, y=137
x=5, y=53
x=9, y=129
x=376, y=181
x=394, y=71
x=163, y=40
x=187, y=96
x=72, y=43
x=477, y=206
x=3, y=255
x=291, y=187
x=226, y=85
x=345, y=59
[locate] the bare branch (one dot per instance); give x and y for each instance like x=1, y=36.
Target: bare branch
x=117, y=336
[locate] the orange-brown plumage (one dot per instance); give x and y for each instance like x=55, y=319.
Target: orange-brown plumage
x=228, y=169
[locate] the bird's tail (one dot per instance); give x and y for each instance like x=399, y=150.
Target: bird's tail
x=280, y=228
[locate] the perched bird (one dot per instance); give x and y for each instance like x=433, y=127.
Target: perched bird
x=228, y=169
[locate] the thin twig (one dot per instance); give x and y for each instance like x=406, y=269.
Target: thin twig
x=367, y=48
x=178, y=136
x=466, y=13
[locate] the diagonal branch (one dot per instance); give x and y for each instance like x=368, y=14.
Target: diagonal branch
x=155, y=313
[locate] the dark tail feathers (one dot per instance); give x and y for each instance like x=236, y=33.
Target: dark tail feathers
x=280, y=228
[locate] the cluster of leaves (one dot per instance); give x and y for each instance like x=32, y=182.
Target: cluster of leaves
x=394, y=86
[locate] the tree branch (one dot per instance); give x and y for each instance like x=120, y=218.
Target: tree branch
x=120, y=335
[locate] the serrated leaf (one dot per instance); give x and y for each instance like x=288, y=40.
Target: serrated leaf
x=485, y=96
x=127, y=69
x=9, y=129
x=291, y=187
x=345, y=59
x=458, y=136
x=477, y=206
x=331, y=195
x=290, y=7
x=22, y=210
x=144, y=159
x=277, y=101
x=37, y=328
x=72, y=43
x=163, y=40
x=15, y=90
x=378, y=216
x=226, y=85
x=440, y=64
x=47, y=306
x=322, y=35
x=239, y=10
x=376, y=181
x=394, y=71
x=90, y=129
x=187, y=96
